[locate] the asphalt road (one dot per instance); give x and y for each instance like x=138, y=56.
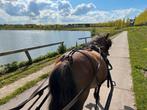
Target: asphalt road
x=123, y=98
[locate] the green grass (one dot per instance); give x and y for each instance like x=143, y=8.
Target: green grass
x=23, y=72
x=137, y=37
x=22, y=89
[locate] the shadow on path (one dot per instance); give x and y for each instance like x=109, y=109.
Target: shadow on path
x=90, y=106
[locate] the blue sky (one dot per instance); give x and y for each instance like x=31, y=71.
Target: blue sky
x=114, y=4
x=68, y=11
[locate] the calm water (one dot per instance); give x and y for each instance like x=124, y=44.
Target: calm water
x=12, y=40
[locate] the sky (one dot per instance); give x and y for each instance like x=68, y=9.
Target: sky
x=68, y=11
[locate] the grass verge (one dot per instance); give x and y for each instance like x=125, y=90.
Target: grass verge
x=23, y=72
x=138, y=55
x=22, y=89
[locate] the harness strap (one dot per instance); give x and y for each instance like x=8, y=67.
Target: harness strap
x=109, y=67
x=109, y=80
x=75, y=99
x=38, y=108
x=36, y=92
x=107, y=105
x=112, y=84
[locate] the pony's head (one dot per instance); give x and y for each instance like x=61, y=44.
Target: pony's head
x=104, y=43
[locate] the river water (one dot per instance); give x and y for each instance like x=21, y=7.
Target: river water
x=18, y=39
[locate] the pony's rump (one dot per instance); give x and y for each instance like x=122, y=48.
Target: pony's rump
x=62, y=86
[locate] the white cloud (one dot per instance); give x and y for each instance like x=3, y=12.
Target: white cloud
x=126, y=13
x=64, y=8
x=57, y=11
x=104, y=16
x=83, y=9
x=48, y=16
x=7, y=19
x=13, y=9
x=3, y=16
x=101, y=16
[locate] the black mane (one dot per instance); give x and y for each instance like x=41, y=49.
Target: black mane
x=99, y=42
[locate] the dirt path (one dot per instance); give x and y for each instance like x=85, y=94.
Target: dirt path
x=122, y=99
x=4, y=91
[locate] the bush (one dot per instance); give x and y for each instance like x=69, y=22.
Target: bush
x=93, y=32
x=51, y=54
x=48, y=55
x=22, y=64
x=11, y=67
x=62, y=49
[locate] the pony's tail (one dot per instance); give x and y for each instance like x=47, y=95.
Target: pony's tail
x=62, y=87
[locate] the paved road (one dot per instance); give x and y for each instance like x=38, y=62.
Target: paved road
x=122, y=99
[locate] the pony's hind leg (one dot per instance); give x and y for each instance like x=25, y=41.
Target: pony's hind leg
x=96, y=94
x=80, y=103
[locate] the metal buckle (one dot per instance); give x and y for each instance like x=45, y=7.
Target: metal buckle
x=114, y=83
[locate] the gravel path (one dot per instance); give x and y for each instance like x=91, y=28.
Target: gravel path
x=4, y=91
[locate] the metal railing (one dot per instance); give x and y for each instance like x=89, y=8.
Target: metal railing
x=85, y=38
x=26, y=50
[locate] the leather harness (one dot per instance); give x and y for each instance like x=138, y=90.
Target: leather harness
x=109, y=79
x=75, y=99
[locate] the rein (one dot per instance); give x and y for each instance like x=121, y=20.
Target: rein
x=109, y=78
x=37, y=91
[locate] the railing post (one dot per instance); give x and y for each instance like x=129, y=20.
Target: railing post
x=28, y=56
x=85, y=40
x=76, y=44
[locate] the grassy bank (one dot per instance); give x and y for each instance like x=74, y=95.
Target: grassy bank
x=137, y=37
x=23, y=72
x=11, y=67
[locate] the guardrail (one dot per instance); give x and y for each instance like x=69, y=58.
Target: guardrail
x=26, y=50
x=85, y=38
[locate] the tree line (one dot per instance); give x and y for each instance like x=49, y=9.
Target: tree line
x=117, y=23
x=141, y=19
x=120, y=23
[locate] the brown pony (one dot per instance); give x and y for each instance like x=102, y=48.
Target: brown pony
x=75, y=71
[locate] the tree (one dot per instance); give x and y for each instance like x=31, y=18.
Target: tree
x=141, y=19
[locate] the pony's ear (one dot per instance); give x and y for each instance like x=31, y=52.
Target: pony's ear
x=107, y=35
